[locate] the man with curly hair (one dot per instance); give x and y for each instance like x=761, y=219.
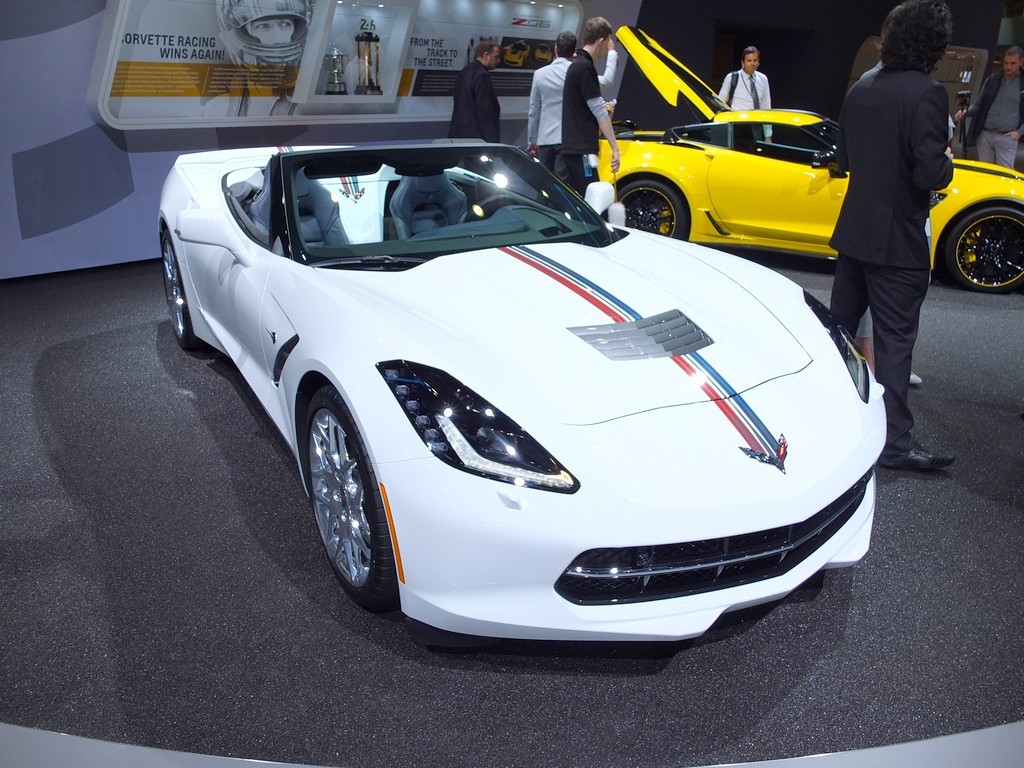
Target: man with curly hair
x=893, y=143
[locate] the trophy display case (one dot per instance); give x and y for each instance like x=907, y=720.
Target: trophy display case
x=360, y=53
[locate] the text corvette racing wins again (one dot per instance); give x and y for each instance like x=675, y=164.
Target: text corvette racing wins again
x=512, y=419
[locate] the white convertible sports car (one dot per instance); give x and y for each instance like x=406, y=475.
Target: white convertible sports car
x=512, y=418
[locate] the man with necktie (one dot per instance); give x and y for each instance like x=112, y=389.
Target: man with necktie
x=746, y=88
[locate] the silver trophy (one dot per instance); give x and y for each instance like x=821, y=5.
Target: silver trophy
x=334, y=63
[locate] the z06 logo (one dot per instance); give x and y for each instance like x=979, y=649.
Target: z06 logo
x=522, y=21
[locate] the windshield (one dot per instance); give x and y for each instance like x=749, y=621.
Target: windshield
x=378, y=208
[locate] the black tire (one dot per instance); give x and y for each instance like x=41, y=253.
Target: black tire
x=985, y=250
x=347, y=504
x=174, y=291
x=657, y=207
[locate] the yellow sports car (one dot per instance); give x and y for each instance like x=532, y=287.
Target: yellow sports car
x=515, y=54
x=767, y=179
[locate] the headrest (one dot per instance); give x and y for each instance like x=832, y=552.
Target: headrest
x=302, y=185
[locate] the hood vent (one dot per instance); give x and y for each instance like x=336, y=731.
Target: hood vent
x=666, y=335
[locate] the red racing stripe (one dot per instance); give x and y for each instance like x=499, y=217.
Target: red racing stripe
x=578, y=290
x=723, y=404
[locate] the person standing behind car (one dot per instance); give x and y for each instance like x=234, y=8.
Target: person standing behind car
x=746, y=88
x=997, y=118
x=893, y=143
x=611, y=65
x=476, y=113
x=584, y=111
x=544, y=120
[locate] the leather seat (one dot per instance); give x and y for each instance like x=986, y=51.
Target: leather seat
x=422, y=203
x=259, y=208
x=319, y=220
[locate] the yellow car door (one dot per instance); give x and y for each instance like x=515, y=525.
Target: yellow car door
x=767, y=188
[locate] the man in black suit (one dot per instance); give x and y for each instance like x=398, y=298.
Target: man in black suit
x=476, y=113
x=894, y=131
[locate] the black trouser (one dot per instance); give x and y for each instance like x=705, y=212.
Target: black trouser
x=894, y=295
x=548, y=154
x=577, y=172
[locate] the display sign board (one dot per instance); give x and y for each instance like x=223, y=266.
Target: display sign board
x=193, y=63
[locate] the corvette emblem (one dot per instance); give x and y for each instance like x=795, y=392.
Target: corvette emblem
x=776, y=460
x=350, y=188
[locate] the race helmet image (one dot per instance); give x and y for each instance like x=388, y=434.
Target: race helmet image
x=244, y=46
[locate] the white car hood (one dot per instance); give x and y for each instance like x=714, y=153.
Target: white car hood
x=501, y=321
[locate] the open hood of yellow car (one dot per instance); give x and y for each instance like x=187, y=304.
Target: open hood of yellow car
x=667, y=74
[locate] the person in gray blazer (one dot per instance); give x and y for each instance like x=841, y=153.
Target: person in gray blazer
x=894, y=145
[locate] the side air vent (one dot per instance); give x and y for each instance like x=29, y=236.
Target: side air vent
x=282, y=356
x=666, y=335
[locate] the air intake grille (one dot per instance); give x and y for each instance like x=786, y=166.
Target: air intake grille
x=635, y=574
x=666, y=335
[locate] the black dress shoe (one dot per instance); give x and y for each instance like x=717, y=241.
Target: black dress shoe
x=915, y=458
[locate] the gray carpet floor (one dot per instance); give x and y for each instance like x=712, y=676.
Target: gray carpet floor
x=162, y=582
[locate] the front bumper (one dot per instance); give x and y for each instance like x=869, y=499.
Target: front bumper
x=483, y=558
x=497, y=577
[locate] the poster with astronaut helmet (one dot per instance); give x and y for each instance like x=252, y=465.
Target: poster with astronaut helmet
x=194, y=63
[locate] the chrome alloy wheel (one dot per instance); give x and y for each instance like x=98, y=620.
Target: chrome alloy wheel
x=339, y=499
x=172, y=287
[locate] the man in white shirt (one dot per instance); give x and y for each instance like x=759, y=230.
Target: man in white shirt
x=544, y=121
x=746, y=88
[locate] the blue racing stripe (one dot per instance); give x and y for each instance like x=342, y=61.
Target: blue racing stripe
x=581, y=280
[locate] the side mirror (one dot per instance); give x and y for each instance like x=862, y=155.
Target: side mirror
x=600, y=195
x=196, y=225
x=835, y=172
x=827, y=159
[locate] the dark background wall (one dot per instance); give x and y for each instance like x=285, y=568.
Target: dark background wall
x=807, y=46
x=74, y=194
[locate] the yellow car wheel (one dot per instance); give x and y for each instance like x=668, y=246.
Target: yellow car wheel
x=655, y=206
x=985, y=251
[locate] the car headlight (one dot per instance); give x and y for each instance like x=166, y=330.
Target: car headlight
x=464, y=430
x=854, y=360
